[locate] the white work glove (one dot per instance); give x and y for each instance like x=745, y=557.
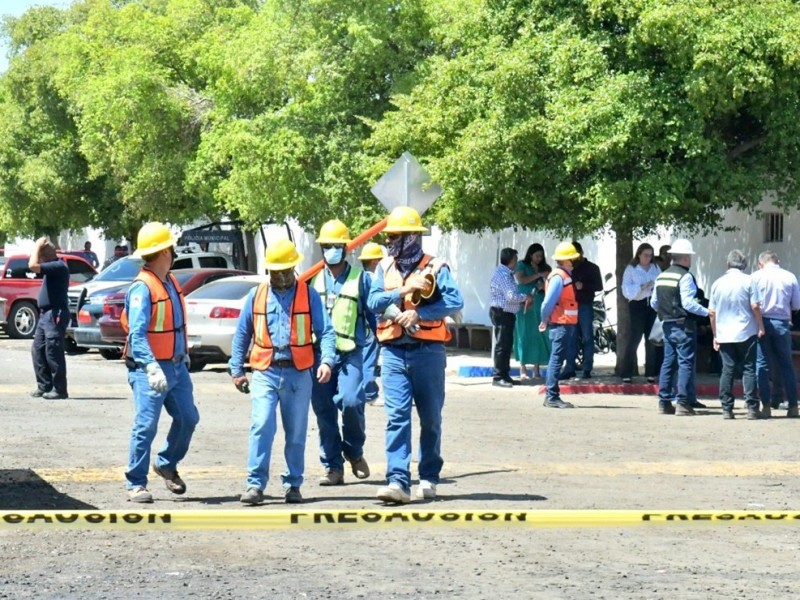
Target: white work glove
x=156, y=378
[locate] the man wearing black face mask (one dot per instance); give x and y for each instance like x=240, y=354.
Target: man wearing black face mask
x=344, y=290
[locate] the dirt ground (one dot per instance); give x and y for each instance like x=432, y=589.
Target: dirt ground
x=503, y=450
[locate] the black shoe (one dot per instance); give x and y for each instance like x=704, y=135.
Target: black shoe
x=252, y=496
x=697, y=404
x=38, y=393
x=558, y=404
x=627, y=380
x=54, y=395
x=651, y=380
x=514, y=381
x=727, y=414
x=502, y=383
x=585, y=376
x=293, y=495
x=564, y=376
x=666, y=409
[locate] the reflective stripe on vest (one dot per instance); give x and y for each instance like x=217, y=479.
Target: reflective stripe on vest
x=161, y=331
x=566, y=309
x=429, y=331
x=344, y=312
x=300, y=340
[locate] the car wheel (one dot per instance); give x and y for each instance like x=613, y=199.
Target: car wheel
x=111, y=353
x=71, y=346
x=22, y=320
x=197, y=365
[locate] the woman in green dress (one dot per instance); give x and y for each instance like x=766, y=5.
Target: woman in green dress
x=531, y=346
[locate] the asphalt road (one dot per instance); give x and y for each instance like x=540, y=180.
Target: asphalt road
x=503, y=451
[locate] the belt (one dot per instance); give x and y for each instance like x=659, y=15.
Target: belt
x=283, y=363
x=410, y=346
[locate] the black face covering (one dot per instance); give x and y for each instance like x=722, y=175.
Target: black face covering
x=282, y=280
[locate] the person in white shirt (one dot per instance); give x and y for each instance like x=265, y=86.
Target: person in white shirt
x=638, y=282
x=734, y=308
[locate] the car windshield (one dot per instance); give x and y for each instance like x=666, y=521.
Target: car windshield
x=124, y=269
x=223, y=290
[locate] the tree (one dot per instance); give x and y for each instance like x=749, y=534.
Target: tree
x=580, y=116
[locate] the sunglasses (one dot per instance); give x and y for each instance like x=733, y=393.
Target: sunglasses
x=329, y=246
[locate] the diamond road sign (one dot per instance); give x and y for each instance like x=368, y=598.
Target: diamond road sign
x=406, y=183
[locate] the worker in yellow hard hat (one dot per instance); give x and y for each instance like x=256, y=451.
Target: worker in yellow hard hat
x=275, y=318
x=157, y=356
x=560, y=314
x=412, y=334
x=371, y=255
x=344, y=289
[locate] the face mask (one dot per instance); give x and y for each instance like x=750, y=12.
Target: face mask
x=333, y=255
x=282, y=280
x=395, y=246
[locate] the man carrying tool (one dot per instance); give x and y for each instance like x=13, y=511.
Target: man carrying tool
x=414, y=292
x=344, y=289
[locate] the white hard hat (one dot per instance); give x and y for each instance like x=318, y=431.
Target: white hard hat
x=681, y=247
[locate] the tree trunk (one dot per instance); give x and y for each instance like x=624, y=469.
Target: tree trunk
x=624, y=237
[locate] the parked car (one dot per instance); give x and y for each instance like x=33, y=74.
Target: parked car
x=112, y=336
x=20, y=287
x=84, y=332
x=213, y=311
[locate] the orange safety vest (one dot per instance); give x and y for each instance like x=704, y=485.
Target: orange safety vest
x=566, y=309
x=300, y=339
x=161, y=332
x=429, y=331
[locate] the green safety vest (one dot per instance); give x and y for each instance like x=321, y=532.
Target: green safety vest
x=344, y=313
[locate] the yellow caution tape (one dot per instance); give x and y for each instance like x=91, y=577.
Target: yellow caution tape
x=312, y=519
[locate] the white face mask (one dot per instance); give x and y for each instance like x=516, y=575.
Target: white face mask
x=333, y=255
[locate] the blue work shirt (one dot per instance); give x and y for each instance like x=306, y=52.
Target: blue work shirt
x=279, y=305
x=448, y=304
x=53, y=293
x=366, y=318
x=138, y=307
x=554, y=287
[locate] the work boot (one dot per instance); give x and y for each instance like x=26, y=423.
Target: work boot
x=559, y=403
x=727, y=414
x=666, y=409
x=172, y=480
x=696, y=404
x=252, y=496
x=139, y=494
x=360, y=467
x=792, y=412
x=682, y=410
x=766, y=412
x=753, y=414
x=292, y=495
x=332, y=477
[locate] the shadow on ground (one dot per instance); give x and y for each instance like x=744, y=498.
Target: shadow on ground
x=23, y=489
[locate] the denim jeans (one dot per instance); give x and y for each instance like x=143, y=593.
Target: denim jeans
x=585, y=337
x=680, y=353
x=178, y=401
x=503, y=323
x=49, y=364
x=291, y=389
x=372, y=353
x=562, y=338
x=413, y=375
x=740, y=356
x=343, y=392
x=775, y=353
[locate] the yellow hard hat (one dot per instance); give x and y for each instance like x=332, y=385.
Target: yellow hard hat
x=153, y=237
x=334, y=232
x=371, y=251
x=566, y=251
x=282, y=255
x=404, y=219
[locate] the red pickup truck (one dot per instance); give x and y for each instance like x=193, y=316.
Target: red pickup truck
x=20, y=287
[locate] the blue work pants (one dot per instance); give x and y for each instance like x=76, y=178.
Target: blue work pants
x=47, y=351
x=178, y=401
x=342, y=393
x=291, y=389
x=775, y=354
x=413, y=375
x=562, y=339
x=372, y=353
